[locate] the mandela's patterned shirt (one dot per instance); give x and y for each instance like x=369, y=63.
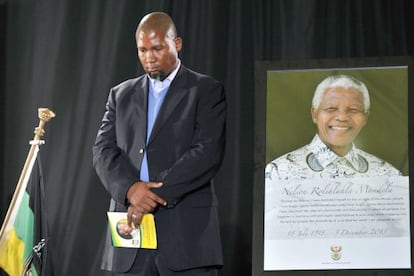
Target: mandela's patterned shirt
x=316, y=160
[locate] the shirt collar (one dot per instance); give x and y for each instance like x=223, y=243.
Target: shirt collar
x=325, y=155
x=158, y=85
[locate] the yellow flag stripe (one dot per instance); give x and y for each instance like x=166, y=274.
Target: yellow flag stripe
x=11, y=253
x=17, y=243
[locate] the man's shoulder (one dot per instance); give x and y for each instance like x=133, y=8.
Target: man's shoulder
x=129, y=83
x=197, y=76
x=292, y=155
x=369, y=156
x=289, y=165
x=377, y=163
x=296, y=158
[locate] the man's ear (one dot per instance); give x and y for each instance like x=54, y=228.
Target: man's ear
x=314, y=114
x=178, y=43
x=366, y=117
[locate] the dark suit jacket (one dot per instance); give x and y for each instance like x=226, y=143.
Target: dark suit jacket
x=184, y=152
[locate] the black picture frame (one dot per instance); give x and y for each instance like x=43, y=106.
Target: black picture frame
x=260, y=146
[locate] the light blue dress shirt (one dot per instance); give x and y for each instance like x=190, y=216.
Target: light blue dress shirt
x=157, y=92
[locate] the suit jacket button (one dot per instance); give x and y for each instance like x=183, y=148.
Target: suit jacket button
x=141, y=151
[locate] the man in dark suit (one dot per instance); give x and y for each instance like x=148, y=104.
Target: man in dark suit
x=160, y=143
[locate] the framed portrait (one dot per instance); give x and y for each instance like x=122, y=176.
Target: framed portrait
x=322, y=203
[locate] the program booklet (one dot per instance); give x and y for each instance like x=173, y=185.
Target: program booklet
x=144, y=236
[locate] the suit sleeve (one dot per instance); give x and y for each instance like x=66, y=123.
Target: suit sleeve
x=199, y=164
x=111, y=163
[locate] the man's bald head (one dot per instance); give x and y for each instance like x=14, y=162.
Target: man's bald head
x=158, y=45
x=158, y=21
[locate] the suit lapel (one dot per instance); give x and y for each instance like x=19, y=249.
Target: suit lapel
x=140, y=103
x=175, y=94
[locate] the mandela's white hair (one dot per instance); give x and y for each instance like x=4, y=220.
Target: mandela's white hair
x=340, y=81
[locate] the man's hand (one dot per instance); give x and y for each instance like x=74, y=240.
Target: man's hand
x=142, y=200
x=134, y=219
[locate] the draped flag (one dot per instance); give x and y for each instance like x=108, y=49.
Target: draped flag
x=23, y=235
x=23, y=241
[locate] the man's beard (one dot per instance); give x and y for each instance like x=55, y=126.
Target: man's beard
x=158, y=75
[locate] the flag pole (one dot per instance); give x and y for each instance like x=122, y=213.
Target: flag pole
x=44, y=115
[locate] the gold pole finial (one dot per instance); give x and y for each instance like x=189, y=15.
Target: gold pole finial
x=45, y=115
